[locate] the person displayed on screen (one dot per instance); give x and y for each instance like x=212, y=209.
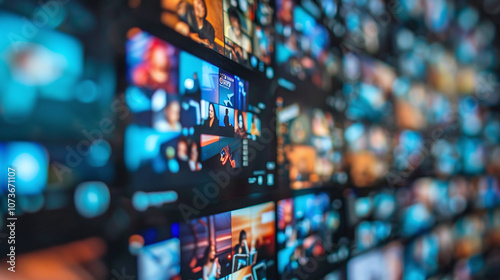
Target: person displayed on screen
x=235, y=33
x=226, y=157
x=254, y=130
x=241, y=129
x=210, y=262
x=171, y=120
x=185, y=13
x=242, y=246
x=196, y=89
x=182, y=154
x=226, y=118
x=154, y=71
x=211, y=124
x=194, y=157
x=201, y=30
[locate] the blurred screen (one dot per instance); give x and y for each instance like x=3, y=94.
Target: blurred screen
x=385, y=263
x=368, y=88
x=368, y=152
x=366, y=25
x=371, y=218
x=304, y=51
x=160, y=261
x=310, y=142
x=71, y=95
x=310, y=231
x=429, y=253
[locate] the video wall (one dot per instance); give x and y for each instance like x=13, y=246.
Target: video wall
x=252, y=139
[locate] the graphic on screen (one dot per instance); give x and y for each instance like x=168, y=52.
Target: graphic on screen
x=232, y=245
x=243, y=31
x=191, y=117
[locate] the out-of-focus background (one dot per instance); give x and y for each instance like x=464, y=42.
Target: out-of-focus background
x=249, y=139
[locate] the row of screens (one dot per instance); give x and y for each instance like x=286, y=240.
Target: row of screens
x=191, y=117
x=425, y=93
x=244, y=31
x=302, y=237
x=242, y=244
x=193, y=120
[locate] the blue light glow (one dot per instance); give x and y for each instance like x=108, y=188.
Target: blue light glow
x=92, y=199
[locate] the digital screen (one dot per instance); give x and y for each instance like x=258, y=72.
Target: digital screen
x=417, y=205
x=368, y=88
x=385, y=263
x=371, y=218
x=411, y=104
x=429, y=253
x=310, y=142
x=309, y=232
x=243, y=31
x=336, y=275
x=191, y=118
x=160, y=261
x=238, y=244
x=446, y=157
x=76, y=84
x=368, y=152
x=303, y=46
x=366, y=25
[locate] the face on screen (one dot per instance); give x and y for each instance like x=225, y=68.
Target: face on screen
x=243, y=31
x=189, y=116
x=238, y=244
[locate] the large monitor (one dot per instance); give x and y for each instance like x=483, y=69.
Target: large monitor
x=194, y=123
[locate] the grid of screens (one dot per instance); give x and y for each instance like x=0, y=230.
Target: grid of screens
x=241, y=30
x=238, y=244
x=376, y=158
x=191, y=117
